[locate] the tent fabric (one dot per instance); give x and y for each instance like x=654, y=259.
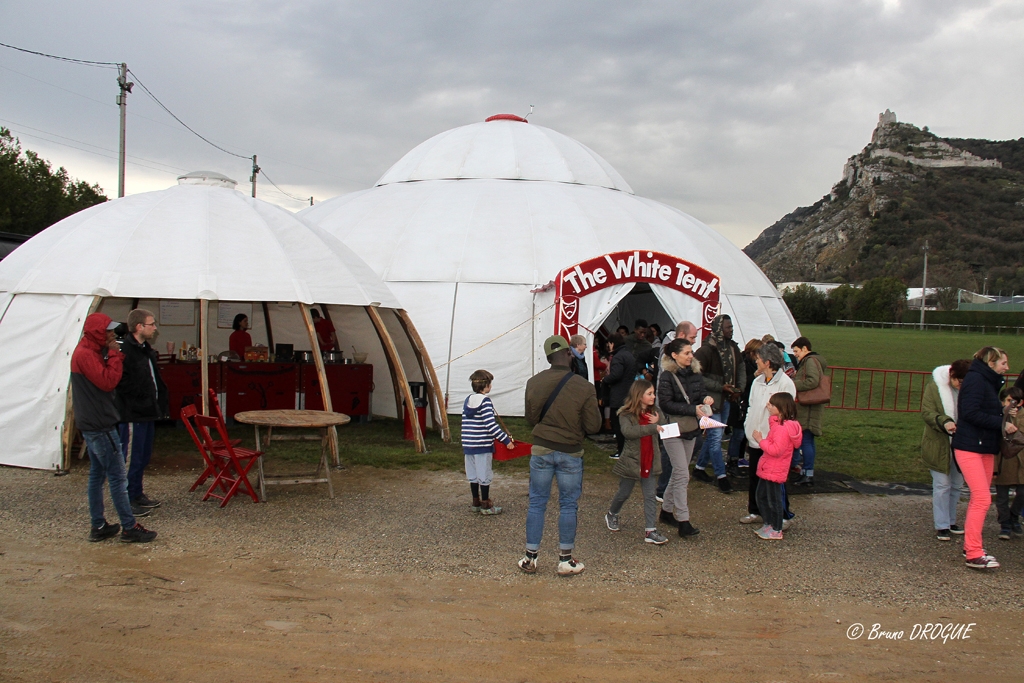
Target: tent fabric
x=514, y=236
x=38, y=333
x=198, y=240
x=192, y=242
x=506, y=150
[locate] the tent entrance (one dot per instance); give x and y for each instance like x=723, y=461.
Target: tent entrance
x=639, y=304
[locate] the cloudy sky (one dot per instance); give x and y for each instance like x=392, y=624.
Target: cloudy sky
x=734, y=111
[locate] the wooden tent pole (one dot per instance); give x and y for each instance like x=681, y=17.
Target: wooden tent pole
x=391, y=351
x=67, y=436
x=440, y=414
x=321, y=373
x=204, y=348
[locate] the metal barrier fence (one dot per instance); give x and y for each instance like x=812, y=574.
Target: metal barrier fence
x=899, y=391
x=982, y=329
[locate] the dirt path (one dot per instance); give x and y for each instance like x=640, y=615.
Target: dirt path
x=340, y=590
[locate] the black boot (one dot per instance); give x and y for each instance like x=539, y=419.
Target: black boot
x=700, y=475
x=724, y=486
x=687, y=529
x=668, y=518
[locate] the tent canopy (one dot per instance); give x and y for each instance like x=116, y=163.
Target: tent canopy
x=199, y=240
x=498, y=209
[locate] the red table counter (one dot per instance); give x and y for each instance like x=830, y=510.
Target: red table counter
x=185, y=385
x=350, y=387
x=259, y=386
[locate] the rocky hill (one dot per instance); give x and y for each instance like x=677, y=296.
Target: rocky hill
x=965, y=197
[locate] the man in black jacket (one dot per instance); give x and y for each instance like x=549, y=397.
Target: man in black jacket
x=141, y=400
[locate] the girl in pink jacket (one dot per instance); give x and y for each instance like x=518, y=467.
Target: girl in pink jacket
x=784, y=434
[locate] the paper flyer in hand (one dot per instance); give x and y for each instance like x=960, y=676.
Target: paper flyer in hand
x=707, y=423
x=668, y=431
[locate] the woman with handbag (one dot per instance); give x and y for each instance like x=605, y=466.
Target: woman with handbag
x=810, y=373
x=682, y=398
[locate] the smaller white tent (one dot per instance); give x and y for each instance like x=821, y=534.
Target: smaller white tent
x=198, y=242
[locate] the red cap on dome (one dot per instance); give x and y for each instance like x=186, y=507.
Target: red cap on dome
x=505, y=117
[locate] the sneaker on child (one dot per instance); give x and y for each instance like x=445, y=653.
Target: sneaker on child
x=529, y=563
x=768, y=533
x=611, y=521
x=568, y=566
x=654, y=537
x=103, y=532
x=943, y=535
x=749, y=519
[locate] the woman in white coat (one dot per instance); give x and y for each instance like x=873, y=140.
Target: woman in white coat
x=770, y=380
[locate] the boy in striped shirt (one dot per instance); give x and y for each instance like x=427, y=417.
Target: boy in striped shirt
x=479, y=430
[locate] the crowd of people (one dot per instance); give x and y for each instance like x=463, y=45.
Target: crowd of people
x=666, y=405
x=973, y=435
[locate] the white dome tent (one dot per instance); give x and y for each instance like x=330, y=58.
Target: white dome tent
x=192, y=244
x=480, y=229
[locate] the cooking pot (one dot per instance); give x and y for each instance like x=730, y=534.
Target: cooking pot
x=332, y=356
x=304, y=356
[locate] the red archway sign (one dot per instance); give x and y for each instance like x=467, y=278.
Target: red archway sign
x=592, y=275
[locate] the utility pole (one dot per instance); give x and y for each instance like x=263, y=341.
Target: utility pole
x=252, y=178
x=122, y=104
x=924, y=282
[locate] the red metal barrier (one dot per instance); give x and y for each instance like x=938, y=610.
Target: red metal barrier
x=899, y=391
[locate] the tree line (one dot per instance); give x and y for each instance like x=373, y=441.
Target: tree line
x=882, y=299
x=32, y=195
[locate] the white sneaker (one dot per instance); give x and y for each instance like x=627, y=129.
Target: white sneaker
x=569, y=567
x=749, y=519
x=786, y=523
x=528, y=564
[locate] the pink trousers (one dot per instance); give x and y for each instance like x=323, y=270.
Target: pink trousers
x=977, y=470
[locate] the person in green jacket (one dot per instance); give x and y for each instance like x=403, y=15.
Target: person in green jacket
x=809, y=371
x=938, y=410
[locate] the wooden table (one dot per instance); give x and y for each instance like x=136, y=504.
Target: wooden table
x=305, y=419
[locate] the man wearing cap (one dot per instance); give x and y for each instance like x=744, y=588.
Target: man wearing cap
x=562, y=408
x=96, y=367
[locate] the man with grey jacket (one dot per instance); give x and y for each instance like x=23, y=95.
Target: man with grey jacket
x=562, y=408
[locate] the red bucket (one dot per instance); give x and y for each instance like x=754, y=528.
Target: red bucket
x=502, y=452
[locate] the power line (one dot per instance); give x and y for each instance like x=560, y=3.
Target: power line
x=164, y=107
x=87, y=62
x=99, y=154
x=290, y=196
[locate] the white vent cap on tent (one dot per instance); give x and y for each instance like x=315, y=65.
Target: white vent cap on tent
x=505, y=147
x=209, y=178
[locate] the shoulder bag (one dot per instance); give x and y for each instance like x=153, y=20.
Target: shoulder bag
x=819, y=394
x=687, y=423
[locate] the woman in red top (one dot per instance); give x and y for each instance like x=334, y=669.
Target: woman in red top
x=240, y=339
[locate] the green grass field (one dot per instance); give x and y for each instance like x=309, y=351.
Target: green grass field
x=868, y=445
x=885, y=446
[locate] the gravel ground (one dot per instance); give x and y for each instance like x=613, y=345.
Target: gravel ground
x=876, y=550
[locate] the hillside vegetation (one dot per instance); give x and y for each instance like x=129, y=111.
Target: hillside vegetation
x=965, y=197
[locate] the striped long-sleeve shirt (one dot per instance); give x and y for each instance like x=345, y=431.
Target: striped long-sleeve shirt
x=479, y=426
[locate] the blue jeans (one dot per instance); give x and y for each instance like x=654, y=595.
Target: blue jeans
x=804, y=456
x=946, y=490
x=140, y=436
x=107, y=464
x=712, y=448
x=568, y=471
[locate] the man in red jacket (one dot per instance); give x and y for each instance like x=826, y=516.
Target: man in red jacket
x=96, y=367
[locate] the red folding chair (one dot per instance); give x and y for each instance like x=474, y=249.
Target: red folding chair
x=232, y=463
x=215, y=407
x=188, y=413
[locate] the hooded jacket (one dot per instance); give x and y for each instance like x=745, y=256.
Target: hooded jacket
x=141, y=393
x=671, y=400
x=979, y=413
x=778, y=446
x=938, y=408
x=95, y=372
x=480, y=426
x=711, y=362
